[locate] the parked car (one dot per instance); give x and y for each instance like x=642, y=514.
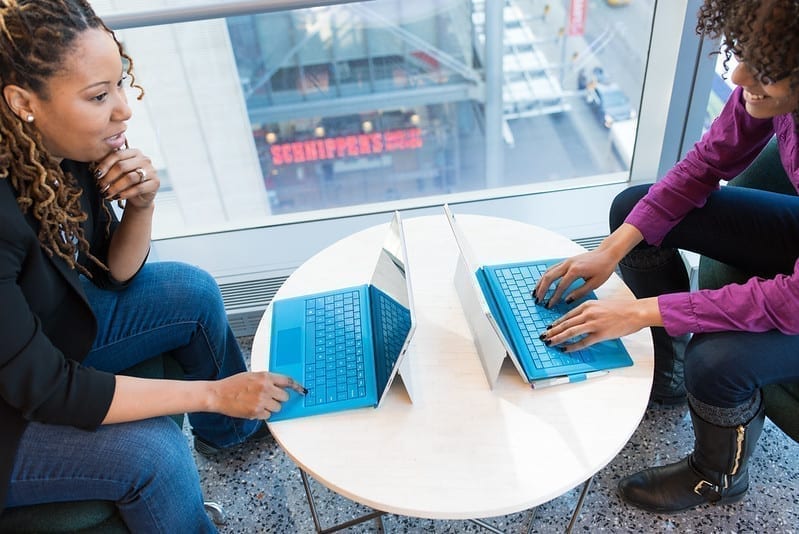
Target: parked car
x=610, y=104
x=586, y=80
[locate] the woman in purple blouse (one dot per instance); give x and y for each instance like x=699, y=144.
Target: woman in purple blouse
x=744, y=335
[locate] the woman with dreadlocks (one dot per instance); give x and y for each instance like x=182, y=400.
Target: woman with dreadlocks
x=744, y=335
x=78, y=303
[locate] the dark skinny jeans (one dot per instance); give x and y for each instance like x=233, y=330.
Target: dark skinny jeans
x=757, y=232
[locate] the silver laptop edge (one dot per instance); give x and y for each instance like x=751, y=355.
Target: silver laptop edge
x=396, y=252
x=492, y=345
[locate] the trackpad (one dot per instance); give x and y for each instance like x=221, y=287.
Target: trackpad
x=289, y=344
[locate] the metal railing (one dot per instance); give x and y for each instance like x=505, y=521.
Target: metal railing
x=172, y=15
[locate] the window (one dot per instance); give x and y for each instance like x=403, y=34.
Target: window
x=282, y=130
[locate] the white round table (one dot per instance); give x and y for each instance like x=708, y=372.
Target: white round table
x=460, y=450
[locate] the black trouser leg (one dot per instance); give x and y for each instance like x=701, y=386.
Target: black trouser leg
x=649, y=273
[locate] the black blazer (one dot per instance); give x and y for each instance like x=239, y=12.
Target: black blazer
x=47, y=326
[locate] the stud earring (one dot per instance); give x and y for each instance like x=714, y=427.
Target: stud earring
x=29, y=118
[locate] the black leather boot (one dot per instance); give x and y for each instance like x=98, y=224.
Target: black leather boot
x=668, y=384
x=716, y=472
x=648, y=273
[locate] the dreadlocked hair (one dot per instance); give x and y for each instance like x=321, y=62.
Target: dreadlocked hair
x=35, y=38
x=762, y=33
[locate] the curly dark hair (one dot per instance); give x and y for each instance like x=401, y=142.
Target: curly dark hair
x=762, y=33
x=35, y=38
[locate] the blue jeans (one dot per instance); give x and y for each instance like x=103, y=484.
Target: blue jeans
x=145, y=466
x=757, y=232
x=177, y=309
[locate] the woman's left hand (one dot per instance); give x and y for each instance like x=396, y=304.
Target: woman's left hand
x=127, y=174
x=598, y=320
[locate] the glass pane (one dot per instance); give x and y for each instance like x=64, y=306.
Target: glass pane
x=359, y=105
x=720, y=89
x=573, y=79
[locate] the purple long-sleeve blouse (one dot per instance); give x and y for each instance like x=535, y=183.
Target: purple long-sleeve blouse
x=733, y=141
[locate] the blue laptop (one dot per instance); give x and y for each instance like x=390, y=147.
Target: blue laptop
x=505, y=294
x=346, y=345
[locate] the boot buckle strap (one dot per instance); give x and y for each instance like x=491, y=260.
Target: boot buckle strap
x=707, y=490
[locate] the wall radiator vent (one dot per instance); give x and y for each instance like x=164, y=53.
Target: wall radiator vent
x=590, y=242
x=246, y=301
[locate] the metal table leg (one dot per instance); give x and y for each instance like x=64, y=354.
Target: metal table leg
x=491, y=528
x=579, y=505
x=376, y=515
x=570, y=526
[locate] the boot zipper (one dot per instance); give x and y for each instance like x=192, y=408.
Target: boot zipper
x=739, y=442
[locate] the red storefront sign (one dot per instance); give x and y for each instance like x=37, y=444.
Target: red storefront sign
x=345, y=146
x=577, y=10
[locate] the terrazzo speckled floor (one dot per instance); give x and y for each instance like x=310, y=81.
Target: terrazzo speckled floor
x=261, y=491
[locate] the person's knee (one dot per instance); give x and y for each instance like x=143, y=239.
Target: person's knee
x=164, y=490
x=623, y=204
x=157, y=450
x=192, y=286
x=712, y=373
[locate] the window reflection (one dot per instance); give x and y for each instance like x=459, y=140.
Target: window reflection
x=359, y=104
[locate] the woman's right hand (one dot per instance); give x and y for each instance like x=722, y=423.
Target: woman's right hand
x=594, y=267
x=252, y=395
x=127, y=174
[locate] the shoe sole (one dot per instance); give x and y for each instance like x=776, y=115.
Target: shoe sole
x=730, y=499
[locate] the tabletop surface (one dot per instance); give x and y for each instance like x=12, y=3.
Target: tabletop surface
x=461, y=450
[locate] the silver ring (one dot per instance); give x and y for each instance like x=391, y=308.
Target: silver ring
x=142, y=175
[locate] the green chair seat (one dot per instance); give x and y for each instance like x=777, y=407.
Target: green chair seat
x=766, y=173
x=782, y=407
x=61, y=517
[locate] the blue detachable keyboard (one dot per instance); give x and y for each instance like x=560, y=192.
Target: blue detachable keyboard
x=337, y=370
x=392, y=322
x=518, y=282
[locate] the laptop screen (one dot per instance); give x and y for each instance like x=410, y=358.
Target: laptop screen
x=491, y=342
x=391, y=274
x=394, y=319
